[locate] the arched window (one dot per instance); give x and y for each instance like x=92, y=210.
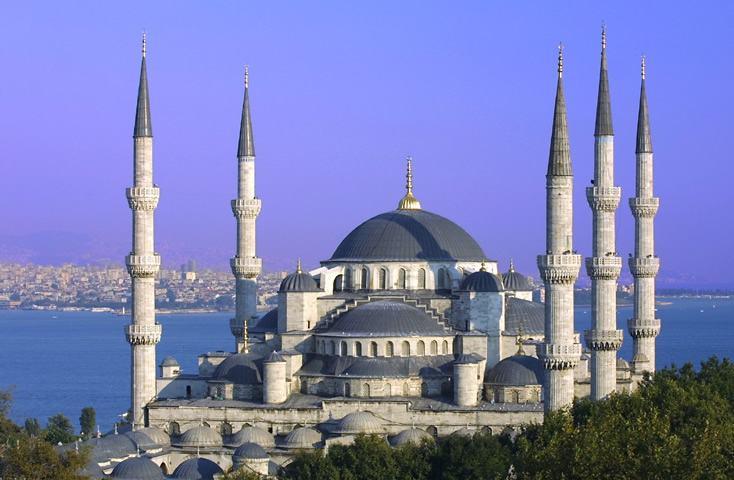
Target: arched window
x=188, y=391
x=406, y=349
x=421, y=279
x=225, y=429
x=344, y=349
x=433, y=431
x=406, y=389
x=174, y=428
x=444, y=281
x=445, y=347
x=366, y=390
x=332, y=348
x=383, y=279
x=421, y=348
x=373, y=349
x=434, y=348
x=389, y=349
x=401, y=279
x=348, y=279
x=388, y=390
x=357, y=349
x=347, y=390
x=365, y=280
x=338, y=283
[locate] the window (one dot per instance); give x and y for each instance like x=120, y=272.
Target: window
x=373, y=349
x=188, y=391
x=389, y=352
x=332, y=348
x=366, y=390
x=357, y=349
x=406, y=389
x=348, y=279
x=347, y=390
x=445, y=347
x=401, y=279
x=344, y=349
x=406, y=349
x=434, y=348
x=421, y=348
x=424, y=389
x=388, y=390
x=365, y=284
x=383, y=279
x=338, y=283
x=225, y=429
x=444, y=281
x=421, y=279
x=174, y=428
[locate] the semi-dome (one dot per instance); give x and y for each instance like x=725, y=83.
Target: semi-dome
x=482, y=281
x=250, y=451
x=241, y=368
x=201, y=436
x=516, y=282
x=359, y=422
x=411, y=435
x=299, y=281
x=387, y=318
x=302, y=437
x=252, y=435
x=517, y=370
x=408, y=235
x=137, y=468
x=197, y=469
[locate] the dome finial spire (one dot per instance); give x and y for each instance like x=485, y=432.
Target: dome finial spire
x=245, y=338
x=603, y=34
x=298, y=266
x=409, y=202
x=643, y=66
x=512, y=265
x=560, y=60
x=247, y=76
x=143, y=42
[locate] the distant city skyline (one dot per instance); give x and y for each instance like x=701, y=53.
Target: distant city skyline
x=341, y=93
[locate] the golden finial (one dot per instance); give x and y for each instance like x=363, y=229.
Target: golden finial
x=143, y=43
x=643, y=67
x=245, y=338
x=409, y=202
x=484, y=266
x=560, y=60
x=603, y=35
x=520, y=339
x=247, y=76
x=298, y=266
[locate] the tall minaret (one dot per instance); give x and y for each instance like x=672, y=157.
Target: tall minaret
x=604, y=266
x=245, y=265
x=143, y=263
x=644, y=327
x=559, y=267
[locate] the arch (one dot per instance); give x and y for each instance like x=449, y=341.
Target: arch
x=338, y=283
x=433, y=431
x=332, y=348
x=421, y=348
x=344, y=349
x=444, y=280
x=225, y=429
x=348, y=283
x=174, y=428
x=366, y=390
x=373, y=349
x=406, y=349
x=365, y=279
x=422, y=279
x=164, y=468
x=389, y=349
x=357, y=349
x=406, y=389
x=388, y=390
x=445, y=347
x=347, y=389
x=382, y=283
x=322, y=346
x=486, y=430
x=188, y=391
x=401, y=279
x=434, y=347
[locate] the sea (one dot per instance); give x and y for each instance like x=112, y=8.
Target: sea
x=60, y=362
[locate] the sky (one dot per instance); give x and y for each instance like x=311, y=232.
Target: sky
x=341, y=92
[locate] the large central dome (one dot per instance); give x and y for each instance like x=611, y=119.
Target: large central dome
x=408, y=235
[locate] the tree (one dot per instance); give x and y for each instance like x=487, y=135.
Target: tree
x=88, y=421
x=32, y=458
x=32, y=427
x=59, y=430
x=310, y=466
x=9, y=431
x=240, y=474
x=481, y=456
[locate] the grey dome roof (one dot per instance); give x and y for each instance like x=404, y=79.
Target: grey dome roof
x=385, y=318
x=464, y=432
x=517, y=370
x=197, y=469
x=201, y=436
x=531, y=314
x=411, y=435
x=268, y=323
x=113, y=446
x=299, y=282
x=252, y=435
x=169, y=362
x=142, y=440
x=622, y=364
x=482, y=281
x=372, y=368
x=158, y=436
x=137, y=468
x=408, y=235
x=359, y=422
x=251, y=451
x=274, y=357
x=241, y=368
x=516, y=282
x=302, y=437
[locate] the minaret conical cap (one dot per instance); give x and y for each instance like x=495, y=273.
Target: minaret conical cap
x=604, y=104
x=644, y=139
x=559, y=161
x=143, y=127
x=246, y=147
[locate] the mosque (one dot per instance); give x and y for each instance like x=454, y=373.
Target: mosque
x=409, y=330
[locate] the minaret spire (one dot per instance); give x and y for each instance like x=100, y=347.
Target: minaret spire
x=604, y=104
x=644, y=139
x=143, y=126
x=246, y=146
x=409, y=202
x=559, y=267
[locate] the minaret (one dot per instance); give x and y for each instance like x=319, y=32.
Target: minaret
x=559, y=267
x=644, y=327
x=604, y=266
x=143, y=263
x=245, y=265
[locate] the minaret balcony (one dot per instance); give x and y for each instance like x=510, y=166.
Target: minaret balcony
x=604, y=268
x=143, y=266
x=143, y=334
x=143, y=198
x=559, y=269
x=246, y=267
x=603, y=340
x=644, y=207
x=604, y=199
x=644, y=267
x=559, y=356
x=244, y=208
x=643, y=328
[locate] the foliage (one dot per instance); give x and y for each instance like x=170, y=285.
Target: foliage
x=481, y=456
x=59, y=430
x=9, y=431
x=240, y=474
x=34, y=459
x=32, y=428
x=88, y=421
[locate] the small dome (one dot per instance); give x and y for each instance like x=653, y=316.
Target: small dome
x=202, y=436
x=274, y=357
x=482, y=281
x=299, y=281
x=411, y=435
x=158, y=436
x=386, y=318
x=302, y=437
x=359, y=422
x=251, y=451
x=197, y=469
x=137, y=468
x=142, y=440
x=516, y=282
x=256, y=435
x=530, y=314
x=268, y=323
x=517, y=370
x=113, y=446
x=464, y=432
x=240, y=368
x=622, y=364
x=169, y=362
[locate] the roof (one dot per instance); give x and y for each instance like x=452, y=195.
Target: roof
x=411, y=435
x=517, y=370
x=386, y=318
x=246, y=145
x=267, y=323
x=274, y=357
x=559, y=160
x=201, y=436
x=143, y=126
x=251, y=435
x=197, y=469
x=302, y=437
x=299, y=282
x=531, y=314
x=137, y=468
x=113, y=446
x=251, y=451
x=644, y=138
x=158, y=436
x=240, y=368
x=482, y=281
x=359, y=422
x=603, y=126
x=408, y=235
x=380, y=367
x=516, y=282
x=169, y=362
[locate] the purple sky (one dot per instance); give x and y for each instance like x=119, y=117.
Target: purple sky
x=341, y=92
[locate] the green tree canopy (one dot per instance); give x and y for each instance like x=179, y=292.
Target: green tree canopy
x=88, y=421
x=59, y=430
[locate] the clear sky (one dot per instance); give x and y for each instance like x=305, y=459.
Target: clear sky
x=341, y=93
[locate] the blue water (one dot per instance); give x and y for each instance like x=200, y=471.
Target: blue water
x=64, y=361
